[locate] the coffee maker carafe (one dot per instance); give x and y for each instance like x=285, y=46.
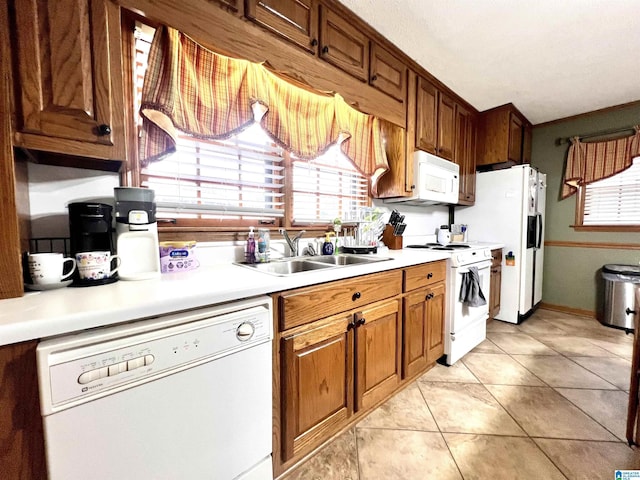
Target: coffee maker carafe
x=137, y=233
x=90, y=231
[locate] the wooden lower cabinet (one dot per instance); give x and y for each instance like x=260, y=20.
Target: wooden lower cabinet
x=335, y=367
x=423, y=328
x=317, y=383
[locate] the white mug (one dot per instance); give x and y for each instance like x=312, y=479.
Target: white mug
x=96, y=265
x=48, y=268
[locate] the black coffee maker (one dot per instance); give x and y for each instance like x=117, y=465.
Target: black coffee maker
x=91, y=230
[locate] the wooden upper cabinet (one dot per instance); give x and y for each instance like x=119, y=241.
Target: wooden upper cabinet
x=427, y=116
x=446, y=126
x=295, y=20
x=69, y=78
x=435, y=120
x=504, y=136
x=515, y=138
x=343, y=45
x=233, y=6
x=388, y=73
x=464, y=154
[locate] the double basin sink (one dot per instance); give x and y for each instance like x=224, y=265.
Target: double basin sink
x=291, y=266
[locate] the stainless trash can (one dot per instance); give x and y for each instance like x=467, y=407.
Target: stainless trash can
x=620, y=284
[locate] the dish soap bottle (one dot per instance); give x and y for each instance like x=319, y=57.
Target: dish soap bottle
x=250, y=248
x=327, y=246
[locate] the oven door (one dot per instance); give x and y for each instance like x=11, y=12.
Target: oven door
x=467, y=325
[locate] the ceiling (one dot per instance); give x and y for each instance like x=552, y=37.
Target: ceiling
x=550, y=58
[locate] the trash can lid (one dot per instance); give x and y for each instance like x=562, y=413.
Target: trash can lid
x=632, y=270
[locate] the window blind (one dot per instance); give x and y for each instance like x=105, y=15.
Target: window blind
x=614, y=200
x=326, y=188
x=241, y=176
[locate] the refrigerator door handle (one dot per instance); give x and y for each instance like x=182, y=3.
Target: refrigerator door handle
x=539, y=242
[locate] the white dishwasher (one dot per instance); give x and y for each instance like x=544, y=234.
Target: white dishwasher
x=179, y=396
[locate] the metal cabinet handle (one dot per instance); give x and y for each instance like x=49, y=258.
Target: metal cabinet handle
x=325, y=49
x=314, y=42
x=628, y=311
x=374, y=78
x=429, y=296
x=360, y=321
x=429, y=275
x=104, y=129
x=356, y=296
x=350, y=325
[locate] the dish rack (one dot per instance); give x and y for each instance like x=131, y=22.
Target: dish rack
x=367, y=226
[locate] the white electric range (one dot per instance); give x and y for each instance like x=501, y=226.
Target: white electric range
x=465, y=325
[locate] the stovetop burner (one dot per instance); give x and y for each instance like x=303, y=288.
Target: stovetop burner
x=437, y=246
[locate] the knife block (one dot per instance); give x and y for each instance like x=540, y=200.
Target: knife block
x=390, y=240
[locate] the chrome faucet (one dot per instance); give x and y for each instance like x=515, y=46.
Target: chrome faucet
x=293, y=243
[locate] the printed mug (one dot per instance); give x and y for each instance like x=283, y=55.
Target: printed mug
x=48, y=268
x=96, y=265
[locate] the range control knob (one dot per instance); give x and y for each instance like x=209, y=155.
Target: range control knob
x=245, y=331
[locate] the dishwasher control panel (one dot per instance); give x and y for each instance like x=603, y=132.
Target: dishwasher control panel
x=101, y=368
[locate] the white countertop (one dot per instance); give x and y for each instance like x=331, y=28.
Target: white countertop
x=54, y=312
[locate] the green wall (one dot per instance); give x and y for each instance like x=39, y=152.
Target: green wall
x=572, y=275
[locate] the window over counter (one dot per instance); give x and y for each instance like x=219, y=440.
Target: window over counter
x=612, y=203
x=246, y=179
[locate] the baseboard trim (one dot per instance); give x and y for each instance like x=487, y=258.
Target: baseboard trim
x=562, y=308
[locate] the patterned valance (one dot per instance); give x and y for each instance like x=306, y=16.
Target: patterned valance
x=191, y=89
x=589, y=162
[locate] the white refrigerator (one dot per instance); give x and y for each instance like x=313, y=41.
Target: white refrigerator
x=509, y=209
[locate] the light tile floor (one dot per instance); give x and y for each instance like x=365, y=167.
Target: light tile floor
x=543, y=400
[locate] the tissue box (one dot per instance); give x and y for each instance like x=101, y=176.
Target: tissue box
x=178, y=256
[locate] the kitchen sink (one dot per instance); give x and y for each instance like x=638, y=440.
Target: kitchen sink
x=346, y=259
x=291, y=266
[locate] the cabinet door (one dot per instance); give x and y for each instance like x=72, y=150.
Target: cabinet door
x=464, y=155
x=495, y=282
x=435, y=323
x=295, y=20
x=388, y=73
x=69, y=77
x=427, y=117
x=526, y=144
x=378, y=347
x=317, y=384
x=343, y=45
x=414, y=333
x=515, y=138
x=446, y=126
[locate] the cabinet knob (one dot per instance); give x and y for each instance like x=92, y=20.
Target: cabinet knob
x=351, y=324
x=314, y=42
x=429, y=296
x=360, y=321
x=325, y=49
x=356, y=296
x=374, y=78
x=104, y=129
x=430, y=275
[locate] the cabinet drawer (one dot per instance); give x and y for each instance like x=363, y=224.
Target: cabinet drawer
x=303, y=305
x=496, y=257
x=423, y=275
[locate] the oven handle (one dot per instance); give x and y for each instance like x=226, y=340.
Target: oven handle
x=481, y=266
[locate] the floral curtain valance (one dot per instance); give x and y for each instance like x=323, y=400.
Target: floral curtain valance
x=589, y=162
x=191, y=89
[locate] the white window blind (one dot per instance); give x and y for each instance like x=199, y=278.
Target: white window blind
x=326, y=188
x=614, y=200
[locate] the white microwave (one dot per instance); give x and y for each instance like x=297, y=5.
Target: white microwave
x=436, y=181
